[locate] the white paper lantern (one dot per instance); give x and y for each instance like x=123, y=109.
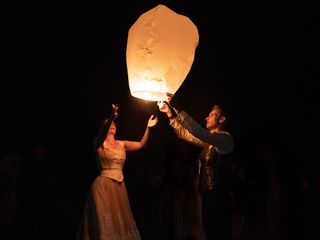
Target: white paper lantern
x=160, y=51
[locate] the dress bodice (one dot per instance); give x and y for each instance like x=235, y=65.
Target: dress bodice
x=112, y=161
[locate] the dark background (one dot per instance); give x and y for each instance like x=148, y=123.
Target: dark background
x=64, y=64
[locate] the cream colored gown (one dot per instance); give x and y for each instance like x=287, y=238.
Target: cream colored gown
x=107, y=214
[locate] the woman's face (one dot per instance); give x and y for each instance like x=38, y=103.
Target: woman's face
x=113, y=128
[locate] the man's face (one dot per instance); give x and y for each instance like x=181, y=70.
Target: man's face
x=213, y=119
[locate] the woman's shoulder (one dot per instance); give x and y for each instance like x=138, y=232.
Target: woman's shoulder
x=121, y=142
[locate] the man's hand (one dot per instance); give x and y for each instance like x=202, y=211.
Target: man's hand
x=163, y=106
x=166, y=108
x=174, y=103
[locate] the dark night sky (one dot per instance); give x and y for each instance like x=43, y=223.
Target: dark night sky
x=65, y=64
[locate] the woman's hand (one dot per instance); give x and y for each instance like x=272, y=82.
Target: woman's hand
x=114, y=111
x=152, y=121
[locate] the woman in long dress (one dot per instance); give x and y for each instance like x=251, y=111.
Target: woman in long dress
x=107, y=214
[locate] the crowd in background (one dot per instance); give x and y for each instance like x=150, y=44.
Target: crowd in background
x=273, y=195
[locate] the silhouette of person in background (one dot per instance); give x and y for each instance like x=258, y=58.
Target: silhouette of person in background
x=10, y=178
x=215, y=192
x=180, y=191
x=38, y=177
x=107, y=214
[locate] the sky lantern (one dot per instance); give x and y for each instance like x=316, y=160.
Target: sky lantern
x=160, y=51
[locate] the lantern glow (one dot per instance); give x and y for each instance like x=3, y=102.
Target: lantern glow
x=160, y=52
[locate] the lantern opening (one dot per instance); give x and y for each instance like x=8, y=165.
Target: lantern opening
x=150, y=95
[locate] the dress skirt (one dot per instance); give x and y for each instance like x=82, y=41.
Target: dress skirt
x=107, y=214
